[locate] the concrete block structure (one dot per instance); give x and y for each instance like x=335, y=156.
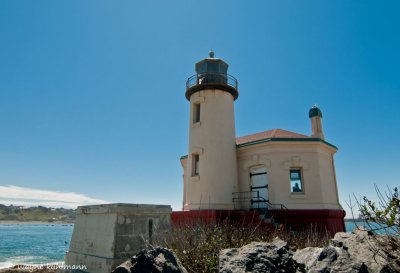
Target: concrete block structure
x=104, y=236
x=284, y=175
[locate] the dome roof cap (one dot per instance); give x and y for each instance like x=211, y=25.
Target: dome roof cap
x=315, y=112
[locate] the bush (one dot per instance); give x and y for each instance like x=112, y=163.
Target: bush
x=383, y=219
x=385, y=213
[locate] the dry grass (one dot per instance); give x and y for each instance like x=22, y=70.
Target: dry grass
x=198, y=246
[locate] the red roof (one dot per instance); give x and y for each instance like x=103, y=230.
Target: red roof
x=275, y=133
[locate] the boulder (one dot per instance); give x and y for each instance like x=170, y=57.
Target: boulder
x=356, y=252
x=259, y=258
x=329, y=259
x=158, y=260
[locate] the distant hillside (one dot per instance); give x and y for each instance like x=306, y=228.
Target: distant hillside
x=42, y=214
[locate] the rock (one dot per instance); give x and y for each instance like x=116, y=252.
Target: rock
x=259, y=258
x=356, y=252
x=158, y=260
x=307, y=256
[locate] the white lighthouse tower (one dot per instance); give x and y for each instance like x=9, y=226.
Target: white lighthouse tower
x=211, y=168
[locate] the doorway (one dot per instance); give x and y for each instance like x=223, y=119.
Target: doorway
x=259, y=186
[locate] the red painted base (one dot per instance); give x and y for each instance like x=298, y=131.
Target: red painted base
x=194, y=217
x=331, y=221
x=319, y=220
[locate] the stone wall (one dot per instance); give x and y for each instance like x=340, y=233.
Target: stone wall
x=106, y=235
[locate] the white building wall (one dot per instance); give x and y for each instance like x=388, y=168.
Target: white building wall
x=185, y=184
x=328, y=181
x=313, y=158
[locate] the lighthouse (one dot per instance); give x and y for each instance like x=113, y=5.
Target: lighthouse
x=284, y=176
x=211, y=167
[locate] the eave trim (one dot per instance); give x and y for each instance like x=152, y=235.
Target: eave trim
x=285, y=139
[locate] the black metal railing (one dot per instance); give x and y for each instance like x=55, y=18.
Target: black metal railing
x=253, y=200
x=244, y=199
x=211, y=78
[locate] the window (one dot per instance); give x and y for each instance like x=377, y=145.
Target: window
x=196, y=112
x=296, y=183
x=195, y=164
x=213, y=67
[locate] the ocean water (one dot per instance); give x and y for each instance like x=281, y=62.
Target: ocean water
x=33, y=243
x=351, y=225
x=377, y=228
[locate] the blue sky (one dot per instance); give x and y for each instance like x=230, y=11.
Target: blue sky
x=92, y=92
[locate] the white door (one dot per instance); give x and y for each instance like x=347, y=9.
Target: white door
x=259, y=183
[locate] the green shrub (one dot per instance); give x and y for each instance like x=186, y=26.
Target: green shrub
x=382, y=218
x=385, y=213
